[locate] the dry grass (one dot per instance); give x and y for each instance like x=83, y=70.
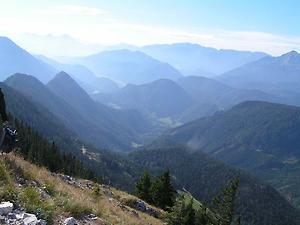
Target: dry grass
x=69, y=200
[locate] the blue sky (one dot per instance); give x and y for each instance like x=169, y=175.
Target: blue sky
x=267, y=25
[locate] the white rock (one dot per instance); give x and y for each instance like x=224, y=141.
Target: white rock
x=6, y=208
x=70, y=221
x=42, y=222
x=30, y=219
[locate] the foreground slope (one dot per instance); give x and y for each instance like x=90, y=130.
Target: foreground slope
x=57, y=196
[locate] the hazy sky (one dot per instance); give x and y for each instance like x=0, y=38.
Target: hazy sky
x=257, y=25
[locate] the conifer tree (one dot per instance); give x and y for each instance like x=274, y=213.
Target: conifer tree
x=143, y=187
x=163, y=192
x=182, y=213
x=224, y=203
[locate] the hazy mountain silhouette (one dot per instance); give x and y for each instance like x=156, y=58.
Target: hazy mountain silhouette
x=211, y=95
x=278, y=75
x=85, y=77
x=94, y=123
x=194, y=59
x=14, y=59
x=127, y=66
x=161, y=98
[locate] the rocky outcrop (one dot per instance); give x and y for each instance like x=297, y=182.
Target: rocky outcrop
x=141, y=206
x=6, y=208
x=70, y=221
x=8, y=215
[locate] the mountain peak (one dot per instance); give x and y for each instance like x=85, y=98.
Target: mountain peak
x=291, y=57
x=63, y=75
x=20, y=77
x=62, y=79
x=6, y=40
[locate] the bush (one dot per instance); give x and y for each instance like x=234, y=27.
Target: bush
x=9, y=193
x=31, y=201
x=96, y=191
x=131, y=202
x=50, y=188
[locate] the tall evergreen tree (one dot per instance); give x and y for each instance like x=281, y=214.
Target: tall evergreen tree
x=189, y=214
x=163, y=192
x=182, y=213
x=224, y=203
x=143, y=187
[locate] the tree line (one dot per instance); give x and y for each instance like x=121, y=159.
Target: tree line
x=38, y=150
x=160, y=192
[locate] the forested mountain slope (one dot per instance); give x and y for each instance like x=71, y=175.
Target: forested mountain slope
x=260, y=137
x=256, y=203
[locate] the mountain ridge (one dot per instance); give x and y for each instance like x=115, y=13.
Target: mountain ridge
x=17, y=60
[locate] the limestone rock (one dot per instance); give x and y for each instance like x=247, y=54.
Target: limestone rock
x=6, y=208
x=70, y=221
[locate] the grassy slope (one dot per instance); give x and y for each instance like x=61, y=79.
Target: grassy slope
x=69, y=200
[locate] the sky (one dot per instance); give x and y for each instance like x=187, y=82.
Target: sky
x=78, y=27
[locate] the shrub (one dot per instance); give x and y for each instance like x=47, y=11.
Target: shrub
x=9, y=193
x=96, y=191
x=31, y=201
x=50, y=188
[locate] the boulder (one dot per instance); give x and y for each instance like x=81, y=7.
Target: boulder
x=70, y=221
x=141, y=206
x=42, y=222
x=30, y=219
x=6, y=208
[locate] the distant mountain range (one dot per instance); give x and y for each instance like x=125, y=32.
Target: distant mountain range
x=277, y=75
x=193, y=59
x=183, y=100
x=161, y=98
x=212, y=96
x=259, y=137
x=85, y=77
x=126, y=66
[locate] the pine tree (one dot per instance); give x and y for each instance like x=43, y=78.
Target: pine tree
x=143, y=187
x=168, y=191
x=189, y=214
x=182, y=213
x=224, y=205
x=163, y=192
